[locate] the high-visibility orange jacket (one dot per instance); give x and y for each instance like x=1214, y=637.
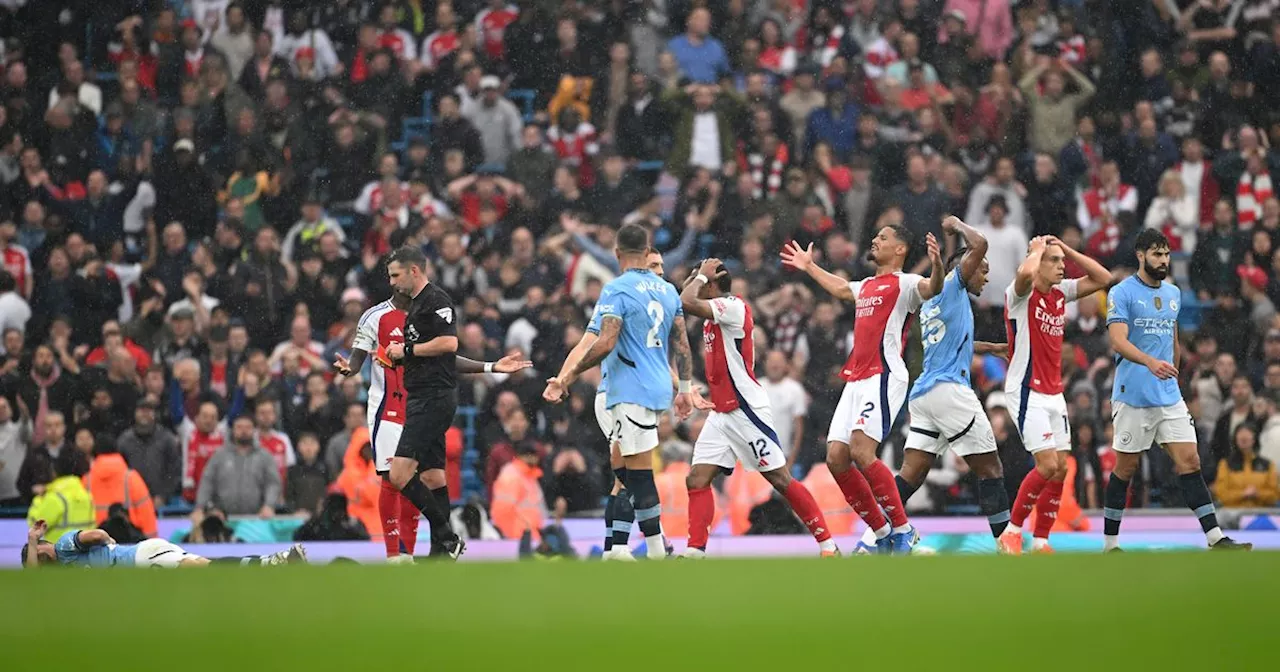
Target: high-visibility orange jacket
x=840, y=516
x=360, y=483
x=518, y=504
x=745, y=490
x=111, y=481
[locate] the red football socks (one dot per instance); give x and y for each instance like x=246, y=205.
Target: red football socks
x=886, y=492
x=1028, y=493
x=702, y=511
x=1047, y=508
x=858, y=493
x=803, y=503
x=408, y=524
x=389, y=499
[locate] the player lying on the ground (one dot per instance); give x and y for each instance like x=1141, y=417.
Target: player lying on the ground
x=380, y=327
x=1035, y=308
x=740, y=428
x=619, y=510
x=96, y=549
x=1146, y=404
x=875, y=376
x=945, y=412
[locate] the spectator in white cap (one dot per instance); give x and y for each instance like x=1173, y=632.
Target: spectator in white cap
x=497, y=119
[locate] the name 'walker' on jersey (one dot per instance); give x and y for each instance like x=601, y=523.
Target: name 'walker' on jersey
x=946, y=332
x=637, y=368
x=1035, y=324
x=1152, y=316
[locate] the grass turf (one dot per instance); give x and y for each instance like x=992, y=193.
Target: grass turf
x=1139, y=610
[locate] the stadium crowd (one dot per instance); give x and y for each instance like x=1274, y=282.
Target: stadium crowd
x=196, y=195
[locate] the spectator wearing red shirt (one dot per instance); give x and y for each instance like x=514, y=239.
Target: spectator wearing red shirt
x=484, y=188
x=516, y=428
x=919, y=93
x=444, y=41
x=491, y=28
x=112, y=338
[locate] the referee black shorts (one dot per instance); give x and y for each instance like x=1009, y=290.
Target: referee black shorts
x=428, y=415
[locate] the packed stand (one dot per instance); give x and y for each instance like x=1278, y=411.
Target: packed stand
x=197, y=195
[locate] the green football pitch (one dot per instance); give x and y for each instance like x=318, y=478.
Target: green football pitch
x=1139, y=611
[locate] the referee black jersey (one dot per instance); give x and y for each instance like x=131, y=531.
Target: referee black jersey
x=431, y=315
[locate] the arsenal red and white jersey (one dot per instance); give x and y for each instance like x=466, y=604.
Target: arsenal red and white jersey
x=437, y=45
x=18, y=263
x=400, y=42
x=491, y=27
x=885, y=304
x=278, y=445
x=379, y=327
x=371, y=197
x=1035, y=323
x=730, y=356
x=197, y=449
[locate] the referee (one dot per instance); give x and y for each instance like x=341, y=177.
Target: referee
x=431, y=381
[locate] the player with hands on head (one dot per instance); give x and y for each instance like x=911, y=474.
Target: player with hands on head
x=740, y=428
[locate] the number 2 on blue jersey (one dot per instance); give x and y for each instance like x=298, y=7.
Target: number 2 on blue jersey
x=656, y=313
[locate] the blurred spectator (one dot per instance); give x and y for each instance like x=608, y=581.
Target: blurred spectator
x=358, y=482
x=569, y=486
x=39, y=462
x=701, y=57
x=1053, y=110
x=517, y=504
x=497, y=119
x=788, y=400
x=332, y=522
x=308, y=479
x=111, y=482
x=1246, y=479
x=154, y=452
x=1174, y=213
x=1212, y=269
x=15, y=434
x=1001, y=183
x=241, y=478
x=62, y=500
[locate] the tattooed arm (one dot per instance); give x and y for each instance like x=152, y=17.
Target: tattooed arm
x=682, y=360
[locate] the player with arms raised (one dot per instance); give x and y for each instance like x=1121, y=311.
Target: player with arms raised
x=875, y=376
x=640, y=321
x=740, y=429
x=378, y=328
x=619, y=512
x=1035, y=316
x=944, y=410
x=1146, y=404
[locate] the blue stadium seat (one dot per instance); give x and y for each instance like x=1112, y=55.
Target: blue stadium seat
x=428, y=110
x=1192, y=313
x=523, y=97
x=412, y=127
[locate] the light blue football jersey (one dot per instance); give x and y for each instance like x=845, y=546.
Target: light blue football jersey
x=946, y=330
x=593, y=327
x=638, y=369
x=70, y=552
x=1152, y=316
